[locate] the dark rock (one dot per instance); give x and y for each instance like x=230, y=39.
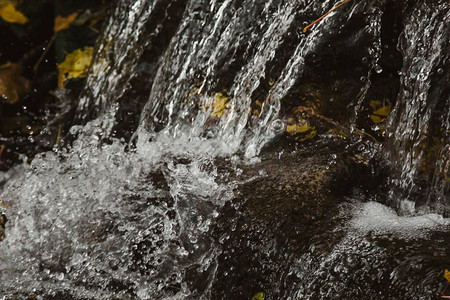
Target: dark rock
x=288, y=202
x=287, y=234
x=2, y=226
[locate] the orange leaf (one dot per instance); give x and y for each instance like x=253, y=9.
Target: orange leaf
x=10, y=14
x=447, y=275
x=62, y=23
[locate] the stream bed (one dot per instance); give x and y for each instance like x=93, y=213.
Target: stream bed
x=218, y=152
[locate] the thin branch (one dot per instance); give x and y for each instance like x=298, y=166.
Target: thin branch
x=306, y=28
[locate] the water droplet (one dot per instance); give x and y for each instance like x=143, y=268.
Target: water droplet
x=364, y=60
x=440, y=71
x=278, y=125
x=362, y=78
x=378, y=69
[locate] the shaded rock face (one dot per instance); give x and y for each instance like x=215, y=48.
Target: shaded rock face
x=292, y=205
x=287, y=234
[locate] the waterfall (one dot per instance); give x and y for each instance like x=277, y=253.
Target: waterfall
x=181, y=99
x=418, y=129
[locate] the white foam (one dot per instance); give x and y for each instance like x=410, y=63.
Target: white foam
x=374, y=216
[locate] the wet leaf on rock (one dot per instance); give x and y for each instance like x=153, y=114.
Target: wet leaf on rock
x=381, y=109
x=302, y=131
x=62, y=23
x=298, y=125
x=75, y=65
x=219, y=105
x=10, y=14
x=259, y=296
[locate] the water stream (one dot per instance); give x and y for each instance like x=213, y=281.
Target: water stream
x=110, y=218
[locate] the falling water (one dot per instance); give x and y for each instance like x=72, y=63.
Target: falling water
x=132, y=219
x=422, y=110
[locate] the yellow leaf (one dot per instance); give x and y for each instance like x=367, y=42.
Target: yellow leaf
x=3, y=203
x=10, y=14
x=219, y=105
x=301, y=132
x=76, y=65
x=259, y=296
x=447, y=275
x=381, y=109
x=295, y=128
x=62, y=23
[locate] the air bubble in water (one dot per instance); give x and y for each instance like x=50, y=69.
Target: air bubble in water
x=278, y=125
x=440, y=71
x=60, y=276
x=378, y=69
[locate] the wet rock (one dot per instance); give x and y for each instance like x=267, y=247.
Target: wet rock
x=2, y=226
x=289, y=233
x=288, y=202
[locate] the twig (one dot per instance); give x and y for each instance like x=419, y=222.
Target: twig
x=58, y=138
x=2, y=147
x=50, y=43
x=442, y=293
x=306, y=28
x=344, y=129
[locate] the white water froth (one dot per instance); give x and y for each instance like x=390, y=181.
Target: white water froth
x=84, y=219
x=378, y=218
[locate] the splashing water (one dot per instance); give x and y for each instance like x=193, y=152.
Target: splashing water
x=100, y=222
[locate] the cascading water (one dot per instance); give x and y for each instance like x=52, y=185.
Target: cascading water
x=422, y=110
x=107, y=219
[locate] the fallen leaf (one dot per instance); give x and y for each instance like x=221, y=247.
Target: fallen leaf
x=219, y=105
x=259, y=296
x=75, y=65
x=447, y=275
x=10, y=14
x=296, y=128
x=381, y=109
x=337, y=133
x=12, y=84
x=300, y=129
x=62, y=23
